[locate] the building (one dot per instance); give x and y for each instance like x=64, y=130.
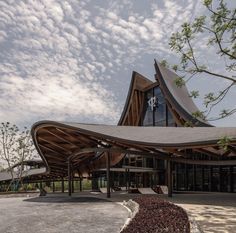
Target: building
x=150, y=146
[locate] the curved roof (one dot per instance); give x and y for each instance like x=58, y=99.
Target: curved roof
x=56, y=142
x=178, y=96
x=155, y=136
x=138, y=82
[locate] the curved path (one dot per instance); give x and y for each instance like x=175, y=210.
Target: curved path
x=214, y=212
x=60, y=214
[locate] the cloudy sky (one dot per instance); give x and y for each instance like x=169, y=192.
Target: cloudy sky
x=72, y=60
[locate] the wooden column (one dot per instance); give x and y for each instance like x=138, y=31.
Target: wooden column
x=169, y=178
x=69, y=178
x=129, y=183
x=231, y=183
x=108, y=175
x=125, y=176
x=53, y=186
x=220, y=179
x=72, y=182
x=202, y=183
x=100, y=182
x=80, y=184
x=186, y=176
x=176, y=176
x=62, y=185
x=210, y=179
x=194, y=177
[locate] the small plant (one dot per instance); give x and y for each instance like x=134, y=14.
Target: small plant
x=224, y=143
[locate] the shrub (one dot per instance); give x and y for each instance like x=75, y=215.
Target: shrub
x=157, y=215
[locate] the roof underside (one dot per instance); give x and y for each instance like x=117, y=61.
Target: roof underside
x=85, y=144
x=177, y=99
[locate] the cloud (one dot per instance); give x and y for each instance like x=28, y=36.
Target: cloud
x=72, y=60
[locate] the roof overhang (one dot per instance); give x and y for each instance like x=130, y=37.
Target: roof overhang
x=86, y=144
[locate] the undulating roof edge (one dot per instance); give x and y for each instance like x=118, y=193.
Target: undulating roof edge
x=149, y=136
x=178, y=96
x=33, y=135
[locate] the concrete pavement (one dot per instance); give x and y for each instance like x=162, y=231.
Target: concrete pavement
x=60, y=214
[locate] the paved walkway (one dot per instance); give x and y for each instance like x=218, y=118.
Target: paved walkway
x=60, y=214
x=86, y=212
x=214, y=213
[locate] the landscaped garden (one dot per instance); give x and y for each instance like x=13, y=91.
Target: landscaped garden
x=157, y=215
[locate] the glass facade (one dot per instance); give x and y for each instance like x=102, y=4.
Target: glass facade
x=148, y=115
x=186, y=177
x=156, y=111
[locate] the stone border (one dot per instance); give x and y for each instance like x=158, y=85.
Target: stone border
x=194, y=226
x=133, y=209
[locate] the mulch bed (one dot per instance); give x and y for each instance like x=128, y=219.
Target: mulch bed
x=157, y=215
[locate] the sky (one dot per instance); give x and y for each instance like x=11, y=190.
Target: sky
x=73, y=60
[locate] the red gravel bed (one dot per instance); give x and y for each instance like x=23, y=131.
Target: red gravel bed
x=157, y=215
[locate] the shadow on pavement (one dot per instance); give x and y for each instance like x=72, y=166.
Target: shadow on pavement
x=66, y=199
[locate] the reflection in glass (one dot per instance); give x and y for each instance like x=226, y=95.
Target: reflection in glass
x=159, y=115
x=148, y=113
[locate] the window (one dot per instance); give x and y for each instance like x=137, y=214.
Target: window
x=148, y=113
x=155, y=109
x=170, y=118
x=160, y=110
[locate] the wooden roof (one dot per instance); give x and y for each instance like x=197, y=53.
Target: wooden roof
x=177, y=97
x=85, y=144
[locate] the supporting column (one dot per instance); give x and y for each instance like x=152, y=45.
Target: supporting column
x=53, y=186
x=186, y=176
x=210, y=179
x=108, y=175
x=69, y=178
x=95, y=181
x=202, y=183
x=62, y=185
x=80, y=184
x=231, y=183
x=100, y=182
x=194, y=177
x=125, y=176
x=169, y=178
x=72, y=182
x=220, y=179
x=129, y=183
x=176, y=176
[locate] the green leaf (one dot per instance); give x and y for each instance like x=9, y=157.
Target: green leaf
x=164, y=63
x=194, y=94
x=224, y=143
x=198, y=114
x=179, y=82
x=207, y=2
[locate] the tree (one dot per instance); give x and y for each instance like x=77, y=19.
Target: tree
x=8, y=138
x=219, y=25
x=15, y=147
x=24, y=150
